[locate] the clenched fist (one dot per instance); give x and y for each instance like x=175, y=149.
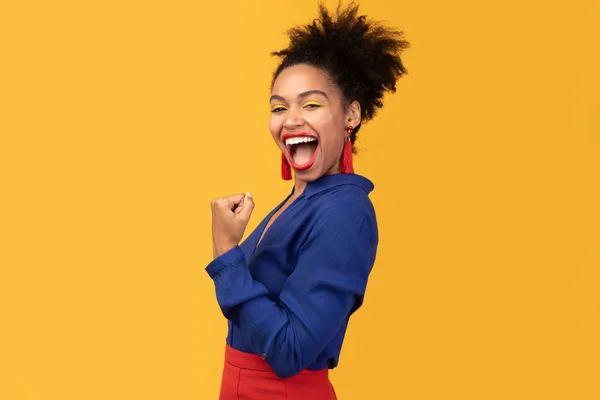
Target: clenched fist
x=230, y=216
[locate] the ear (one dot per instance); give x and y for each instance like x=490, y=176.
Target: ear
x=353, y=114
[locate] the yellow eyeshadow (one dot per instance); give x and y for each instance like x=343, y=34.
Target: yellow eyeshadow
x=278, y=106
x=312, y=103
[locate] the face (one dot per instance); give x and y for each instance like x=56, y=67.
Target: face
x=309, y=121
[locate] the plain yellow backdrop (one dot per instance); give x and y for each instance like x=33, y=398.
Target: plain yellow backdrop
x=121, y=120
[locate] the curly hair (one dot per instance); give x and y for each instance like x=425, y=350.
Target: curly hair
x=362, y=57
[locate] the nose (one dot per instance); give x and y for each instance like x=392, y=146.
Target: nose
x=293, y=119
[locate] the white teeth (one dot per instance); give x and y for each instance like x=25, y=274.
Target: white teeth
x=296, y=140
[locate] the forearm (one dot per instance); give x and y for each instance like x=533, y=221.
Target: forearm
x=289, y=333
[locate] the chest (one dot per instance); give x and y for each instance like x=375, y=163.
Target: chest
x=274, y=217
x=272, y=249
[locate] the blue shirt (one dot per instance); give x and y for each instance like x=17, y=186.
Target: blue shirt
x=290, y=297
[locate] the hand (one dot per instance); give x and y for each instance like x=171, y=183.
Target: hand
x=230, y=216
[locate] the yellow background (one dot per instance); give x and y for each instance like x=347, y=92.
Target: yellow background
x=120, y=121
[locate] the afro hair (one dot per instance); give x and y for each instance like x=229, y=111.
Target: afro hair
x=362, y=57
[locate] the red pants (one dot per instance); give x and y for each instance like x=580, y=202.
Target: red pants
x=248, y=377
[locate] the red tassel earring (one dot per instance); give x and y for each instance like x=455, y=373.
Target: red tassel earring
x=346, y=166
x=286, y=170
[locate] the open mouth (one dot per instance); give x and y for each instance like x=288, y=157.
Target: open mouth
x=302, y=150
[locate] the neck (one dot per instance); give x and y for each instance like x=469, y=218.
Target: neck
x=299, y=187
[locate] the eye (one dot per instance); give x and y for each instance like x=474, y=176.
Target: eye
x=312, y=104
x=278, y=108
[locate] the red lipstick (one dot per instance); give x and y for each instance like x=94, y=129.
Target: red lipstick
x=308, y=164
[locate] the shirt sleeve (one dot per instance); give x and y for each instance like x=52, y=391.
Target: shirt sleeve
x=327, y=285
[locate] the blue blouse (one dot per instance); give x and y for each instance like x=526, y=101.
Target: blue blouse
x=290, y=297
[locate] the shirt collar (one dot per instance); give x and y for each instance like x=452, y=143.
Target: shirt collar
x=330, y=181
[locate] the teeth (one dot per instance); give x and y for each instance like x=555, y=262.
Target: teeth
x=297, y=140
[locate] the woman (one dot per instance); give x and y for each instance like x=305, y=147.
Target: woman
x=289, y=289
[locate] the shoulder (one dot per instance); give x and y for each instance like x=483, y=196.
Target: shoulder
x=346, y=201
x=344, y=231
x=346, y=211
x=340, y=205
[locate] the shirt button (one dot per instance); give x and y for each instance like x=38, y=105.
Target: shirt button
x=263, y=356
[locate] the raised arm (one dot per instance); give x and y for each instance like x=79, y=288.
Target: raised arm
x=326, y=286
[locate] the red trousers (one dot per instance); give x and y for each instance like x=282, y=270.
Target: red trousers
x=248, y=377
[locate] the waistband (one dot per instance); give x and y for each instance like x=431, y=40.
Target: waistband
x=245, y=360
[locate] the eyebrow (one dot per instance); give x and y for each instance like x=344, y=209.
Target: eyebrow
x=301, y=95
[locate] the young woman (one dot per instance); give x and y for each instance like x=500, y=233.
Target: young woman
x=289, y=290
